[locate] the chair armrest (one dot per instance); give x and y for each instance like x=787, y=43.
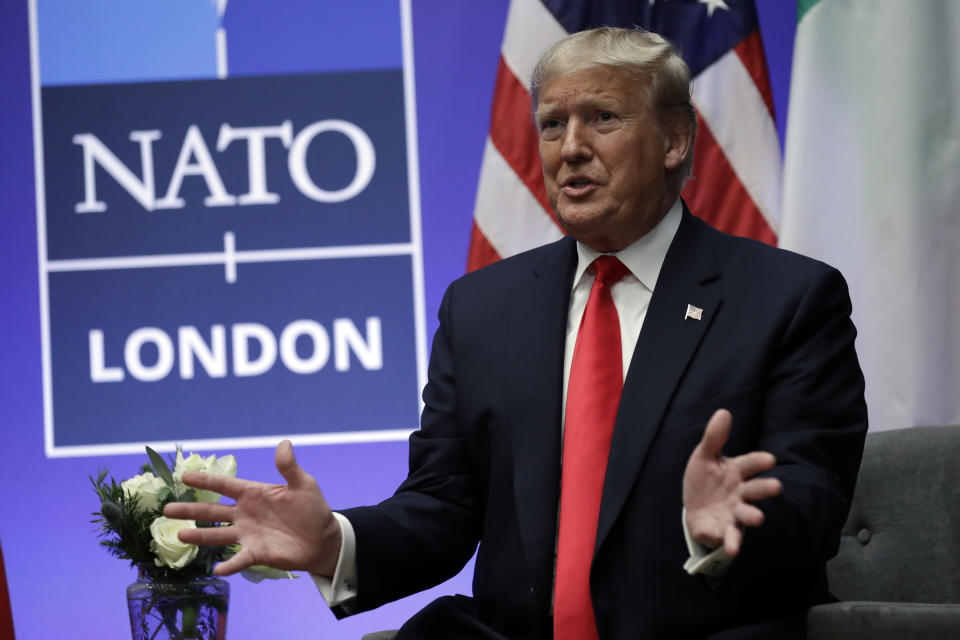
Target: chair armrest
x=882, y=621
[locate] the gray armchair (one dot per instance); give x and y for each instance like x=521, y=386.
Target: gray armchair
x=897, y=573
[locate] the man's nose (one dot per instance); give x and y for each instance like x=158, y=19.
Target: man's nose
x=576, y=142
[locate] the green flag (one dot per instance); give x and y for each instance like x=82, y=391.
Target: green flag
x=872, y=186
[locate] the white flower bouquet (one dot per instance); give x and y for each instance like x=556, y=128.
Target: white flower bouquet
x=132, y=526
x=175, y=595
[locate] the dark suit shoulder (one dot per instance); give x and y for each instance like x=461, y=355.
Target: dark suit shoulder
x=500, y=275
x=761, y=262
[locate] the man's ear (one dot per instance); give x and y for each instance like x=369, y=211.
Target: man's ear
x=677, y=142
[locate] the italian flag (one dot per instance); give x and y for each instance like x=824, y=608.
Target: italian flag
x=872, y=186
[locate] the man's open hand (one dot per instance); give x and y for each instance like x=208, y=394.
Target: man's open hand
x=289, y=527
x=718, y=491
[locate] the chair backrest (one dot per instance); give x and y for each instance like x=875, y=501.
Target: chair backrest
x=901, y=541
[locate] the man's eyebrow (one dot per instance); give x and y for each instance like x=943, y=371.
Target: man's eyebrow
x=603, y=100
x=545, y=110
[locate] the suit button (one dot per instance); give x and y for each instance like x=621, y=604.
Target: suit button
x=863, y=536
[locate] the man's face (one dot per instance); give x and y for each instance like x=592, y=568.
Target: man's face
x=605, y=157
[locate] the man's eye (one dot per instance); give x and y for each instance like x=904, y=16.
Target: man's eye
x=550, y=124
x=605, y=116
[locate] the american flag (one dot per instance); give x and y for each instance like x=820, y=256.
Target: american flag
x=695, y=313
x=737, y=164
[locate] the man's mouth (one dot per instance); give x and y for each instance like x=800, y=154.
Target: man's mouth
x=577, y=186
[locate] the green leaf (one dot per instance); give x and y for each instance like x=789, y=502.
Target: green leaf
x=164, y=495
x=160, y=467
x=112, y=512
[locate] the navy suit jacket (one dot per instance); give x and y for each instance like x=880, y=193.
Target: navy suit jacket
x=774, y=346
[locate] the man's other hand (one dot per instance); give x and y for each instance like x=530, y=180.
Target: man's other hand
x=289, y=527
x=718, y=491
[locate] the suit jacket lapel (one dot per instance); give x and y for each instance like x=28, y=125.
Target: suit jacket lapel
x=667, y=342
x=536, y=332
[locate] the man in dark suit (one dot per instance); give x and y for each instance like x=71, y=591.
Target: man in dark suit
x=734, y=444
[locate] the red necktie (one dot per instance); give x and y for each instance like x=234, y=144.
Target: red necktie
x=593, y=394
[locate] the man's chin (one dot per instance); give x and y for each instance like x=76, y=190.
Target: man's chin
x=588, y=228
x=580, y=220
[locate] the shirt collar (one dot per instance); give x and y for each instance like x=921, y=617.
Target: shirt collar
x=645, y=256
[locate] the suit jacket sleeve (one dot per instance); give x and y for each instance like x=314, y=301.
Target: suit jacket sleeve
x=427, y=531
x=814, y=421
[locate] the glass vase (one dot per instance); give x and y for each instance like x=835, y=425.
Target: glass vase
x=194, y=609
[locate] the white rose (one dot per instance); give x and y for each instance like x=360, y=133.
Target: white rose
x=223, y=466
x=145, y=486
x=168, y=548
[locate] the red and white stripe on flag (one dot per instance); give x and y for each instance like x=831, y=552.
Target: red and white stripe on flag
x=737, y=163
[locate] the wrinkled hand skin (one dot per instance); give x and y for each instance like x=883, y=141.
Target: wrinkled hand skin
x=285, y=526
x=718, y=492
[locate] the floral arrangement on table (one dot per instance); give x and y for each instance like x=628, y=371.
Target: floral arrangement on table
x=175, y=592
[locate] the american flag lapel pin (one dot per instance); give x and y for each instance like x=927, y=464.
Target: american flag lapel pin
x=695, y=313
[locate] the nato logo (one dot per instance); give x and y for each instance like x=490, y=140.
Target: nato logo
x=228, y=224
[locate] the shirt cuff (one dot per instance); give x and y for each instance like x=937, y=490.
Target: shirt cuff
x=711, y=564
x=341, y=589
